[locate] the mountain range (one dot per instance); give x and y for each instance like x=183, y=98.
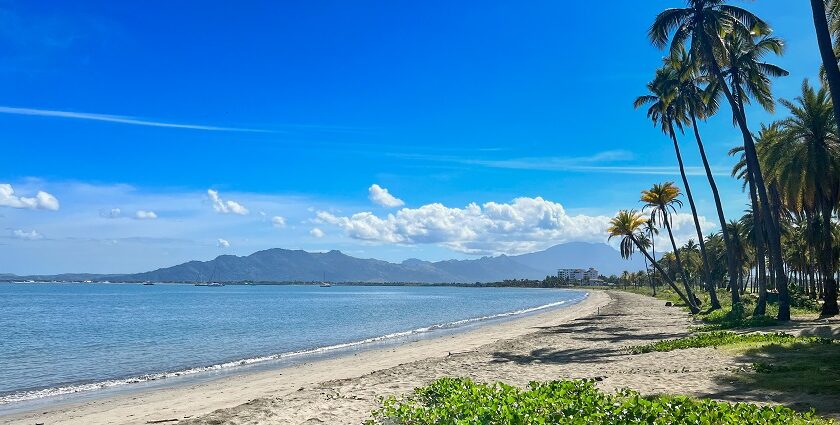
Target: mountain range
x=283, y=265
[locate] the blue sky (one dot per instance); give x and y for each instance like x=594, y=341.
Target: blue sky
x=295, y=109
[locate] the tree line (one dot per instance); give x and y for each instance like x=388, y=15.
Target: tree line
x=787, y=242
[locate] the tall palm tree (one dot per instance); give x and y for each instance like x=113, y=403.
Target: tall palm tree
x=807, y=165
x=703, y=24
x=667, y=111
x=827, y=49
x=625, y=225
x=645, y=242
x=662, y=199
x=702, y=103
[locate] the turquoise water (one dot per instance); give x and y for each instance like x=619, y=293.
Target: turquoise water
x=65, y=338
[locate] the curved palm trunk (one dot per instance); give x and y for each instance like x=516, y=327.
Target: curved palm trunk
x=754, y=169
x=730, y=256
x=709, y=286
x=679, y=263
x=691, y=306
x=832, y=71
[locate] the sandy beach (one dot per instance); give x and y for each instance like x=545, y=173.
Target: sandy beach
x=586, y=340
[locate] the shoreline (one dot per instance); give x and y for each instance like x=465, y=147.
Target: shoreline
x=235, y=387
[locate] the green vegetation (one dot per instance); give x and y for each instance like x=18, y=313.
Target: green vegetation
x=462, y=401
x=798, y=367
x=719, y=338
x=785, y=246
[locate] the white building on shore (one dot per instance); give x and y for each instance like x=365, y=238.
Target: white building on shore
x=577, y=275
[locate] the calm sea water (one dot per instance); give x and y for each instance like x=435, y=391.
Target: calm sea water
x=64, y=338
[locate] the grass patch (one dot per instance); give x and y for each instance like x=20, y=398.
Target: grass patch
x=797, y=368
x=734, y=318
x=462, y=401
x=719, y=338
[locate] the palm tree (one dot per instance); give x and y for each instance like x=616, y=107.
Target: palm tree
x=626, y=224
x=667, y=111
x=807, y=166
x=827, y=51
x=702, y=104
x=704, y=25
x=662, y=199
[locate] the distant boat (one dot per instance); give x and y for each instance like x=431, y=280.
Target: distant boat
x=324, y=283
x=215, y=284
x=202, y=284
x=148, y=284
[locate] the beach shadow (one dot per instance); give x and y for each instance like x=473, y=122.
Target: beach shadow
x=545, y=355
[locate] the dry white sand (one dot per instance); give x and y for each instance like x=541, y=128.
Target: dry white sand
x=583, y=341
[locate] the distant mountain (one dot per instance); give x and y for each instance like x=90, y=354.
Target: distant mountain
x=283, y=265
x=581, y=255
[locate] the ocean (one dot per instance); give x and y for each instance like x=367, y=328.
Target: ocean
x=59, y=339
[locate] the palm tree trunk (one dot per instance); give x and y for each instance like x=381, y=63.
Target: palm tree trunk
x=754, y=169
x=691, y=306
x=730, y=256
x=677, y=256
x=709, y=286
x=832, y=71
x=829, y=307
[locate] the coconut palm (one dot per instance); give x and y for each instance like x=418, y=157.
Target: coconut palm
x=702, y=103
x=662, y=200
x=667, y=110
x=703, y=25
x=807, y=165
x=625, y=225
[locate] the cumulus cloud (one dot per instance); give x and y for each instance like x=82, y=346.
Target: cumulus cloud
x=31, y=235
x=523, y=225
x=223, y=243
x=380, y=196
x=278, y=222
x=316, y=232
x=225, y=207
x=145, y=215
x=41, y=200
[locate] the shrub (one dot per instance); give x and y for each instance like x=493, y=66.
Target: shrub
x=461, y=401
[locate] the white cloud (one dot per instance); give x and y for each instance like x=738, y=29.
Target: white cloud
x=145, y=215
x=41, y=201
x=112, y=213
x=380, y=196
x=225, y=207
x=524, y=225
x=30, y=236
x=316, y=232
x=278, y=222
x=223, y=243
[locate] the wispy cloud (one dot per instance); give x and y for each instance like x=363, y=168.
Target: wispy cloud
x=613, y=161
x=120, y=119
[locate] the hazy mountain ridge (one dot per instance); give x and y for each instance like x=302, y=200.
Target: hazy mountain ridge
x=283, y=265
